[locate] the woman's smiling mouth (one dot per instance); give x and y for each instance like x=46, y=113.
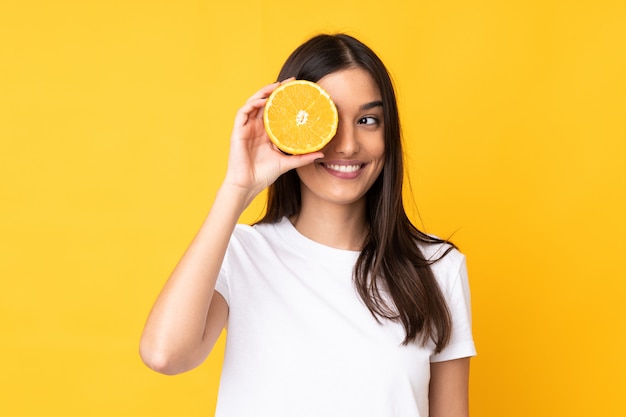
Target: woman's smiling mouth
x=344, y=168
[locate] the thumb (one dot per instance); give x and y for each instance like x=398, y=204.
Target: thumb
x=297, y=161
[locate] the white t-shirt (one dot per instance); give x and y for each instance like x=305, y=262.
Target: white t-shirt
x=300, y=341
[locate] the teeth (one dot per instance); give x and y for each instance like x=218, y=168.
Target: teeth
x=344, y=168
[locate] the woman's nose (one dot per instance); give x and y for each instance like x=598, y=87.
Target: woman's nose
x=345, y=141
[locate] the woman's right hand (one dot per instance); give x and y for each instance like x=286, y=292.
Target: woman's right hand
x=254, y=161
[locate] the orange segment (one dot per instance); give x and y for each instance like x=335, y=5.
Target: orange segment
x=300, y=117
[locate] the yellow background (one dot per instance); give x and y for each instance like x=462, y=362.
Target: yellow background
x=114, y=124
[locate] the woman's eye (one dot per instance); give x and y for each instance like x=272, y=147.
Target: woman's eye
x=368, y=120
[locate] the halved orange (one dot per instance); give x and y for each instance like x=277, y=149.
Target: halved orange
x=300, y=117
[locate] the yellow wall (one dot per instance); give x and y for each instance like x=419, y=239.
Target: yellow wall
x=114, y=123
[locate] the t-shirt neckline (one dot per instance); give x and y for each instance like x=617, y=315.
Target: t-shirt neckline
x=294, y=238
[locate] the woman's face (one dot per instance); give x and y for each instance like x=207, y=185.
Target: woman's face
x=354, y=158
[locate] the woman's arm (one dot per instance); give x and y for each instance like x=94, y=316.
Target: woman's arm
x=449, y=386
x=188, y=315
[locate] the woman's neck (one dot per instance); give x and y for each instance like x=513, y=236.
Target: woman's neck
x=337, y=227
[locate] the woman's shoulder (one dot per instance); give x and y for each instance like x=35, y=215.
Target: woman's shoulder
x=446, y=261
x=258, y=232
x=252, y=232
x=439, y=249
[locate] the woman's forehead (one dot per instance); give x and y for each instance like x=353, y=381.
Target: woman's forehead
x=353, y=87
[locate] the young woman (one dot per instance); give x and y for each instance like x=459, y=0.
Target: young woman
x=334, y=303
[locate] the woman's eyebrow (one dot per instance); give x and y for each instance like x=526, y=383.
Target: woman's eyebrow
x=367, y=106
x=371, y=105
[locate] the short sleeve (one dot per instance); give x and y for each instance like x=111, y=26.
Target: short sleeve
x=458, y=298
x=221, y=285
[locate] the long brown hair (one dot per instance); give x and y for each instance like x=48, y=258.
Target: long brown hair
x=391, y=264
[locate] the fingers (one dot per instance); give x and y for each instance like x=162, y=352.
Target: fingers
x=250, y=110
x=264, y=92
x=256, y=103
